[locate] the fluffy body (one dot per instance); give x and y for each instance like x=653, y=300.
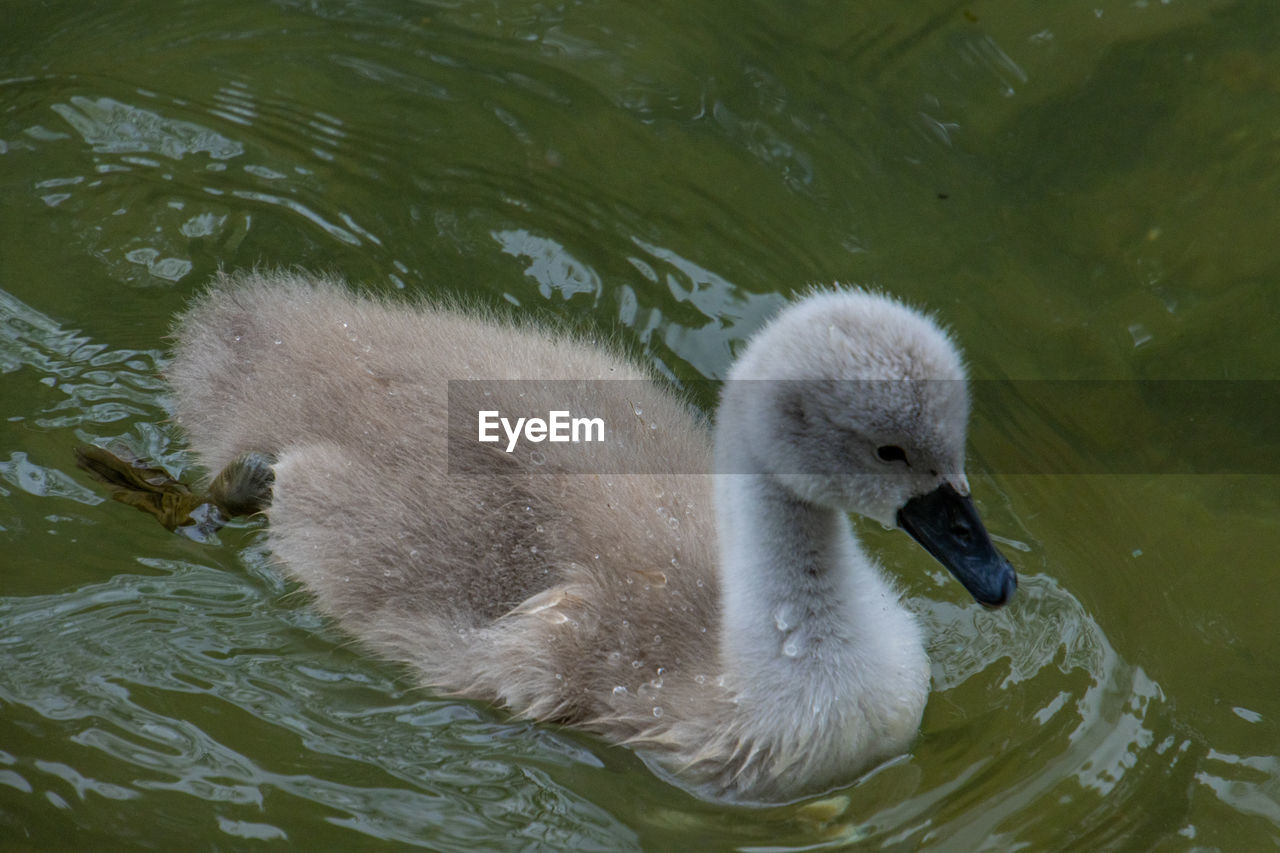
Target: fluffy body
x=729, y=626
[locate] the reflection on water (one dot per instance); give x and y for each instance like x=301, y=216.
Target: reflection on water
x=180, y=684
x=1083, y=191
x=1098, y=727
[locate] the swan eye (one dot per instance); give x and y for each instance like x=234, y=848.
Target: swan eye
x=892, y=453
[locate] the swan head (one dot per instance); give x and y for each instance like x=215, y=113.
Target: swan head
x=851, y=400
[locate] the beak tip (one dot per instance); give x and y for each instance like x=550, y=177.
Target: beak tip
x=1008, y=586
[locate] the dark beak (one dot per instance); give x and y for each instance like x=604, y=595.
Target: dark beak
x=947, y=525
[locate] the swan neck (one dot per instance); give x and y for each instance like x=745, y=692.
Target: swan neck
x=789, y=569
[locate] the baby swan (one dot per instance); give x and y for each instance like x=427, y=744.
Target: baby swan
x=728, y=625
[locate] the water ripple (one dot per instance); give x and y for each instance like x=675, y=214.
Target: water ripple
x=112, y=127
x=161, y=647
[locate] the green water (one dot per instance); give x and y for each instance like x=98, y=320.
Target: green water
x=1080, y=189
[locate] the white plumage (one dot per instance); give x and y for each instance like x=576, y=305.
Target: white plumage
x=729, y=625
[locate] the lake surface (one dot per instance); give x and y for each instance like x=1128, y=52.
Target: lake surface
x=1080, y=190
